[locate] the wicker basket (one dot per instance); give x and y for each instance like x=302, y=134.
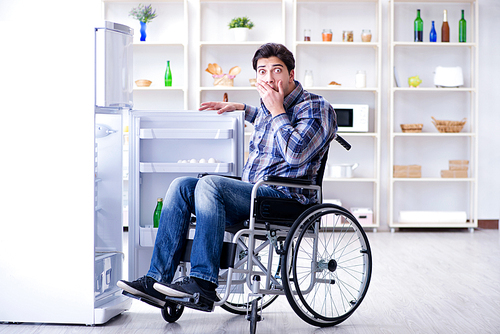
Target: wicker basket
x=143, y=83
x=223, y=80
x=412, y=127
x=449, y=126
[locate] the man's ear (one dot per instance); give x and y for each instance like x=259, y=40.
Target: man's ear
x=291, y=76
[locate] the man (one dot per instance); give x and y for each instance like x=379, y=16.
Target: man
x=292, y=131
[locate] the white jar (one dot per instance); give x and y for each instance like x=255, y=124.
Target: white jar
x=308, y=79
x=360, y=79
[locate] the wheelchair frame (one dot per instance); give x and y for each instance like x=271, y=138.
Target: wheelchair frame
x=313, y=221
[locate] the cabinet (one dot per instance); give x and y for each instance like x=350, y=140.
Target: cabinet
x=339, y=61
x=167, y=39
x=430, y=195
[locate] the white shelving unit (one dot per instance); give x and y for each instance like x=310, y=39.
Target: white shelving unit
x=217, y=44
x=167, y=39
x=432, y=149
x=338, y=61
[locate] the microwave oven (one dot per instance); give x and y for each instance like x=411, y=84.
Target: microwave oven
x=352, y=117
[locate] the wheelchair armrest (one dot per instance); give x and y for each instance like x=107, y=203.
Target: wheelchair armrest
x=229, y=176
x=289, y=180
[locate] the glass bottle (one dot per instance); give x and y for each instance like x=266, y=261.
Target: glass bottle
x=433, y=34
x=157, y=213
x=462, y=29
x=445, y=28
x=168, y=75
x=418, y=26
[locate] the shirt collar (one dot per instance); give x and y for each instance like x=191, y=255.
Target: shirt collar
x=294, y=94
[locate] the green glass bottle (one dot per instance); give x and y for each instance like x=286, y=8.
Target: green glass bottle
x=168, y=75
x=419, y=28
x=157, y=213
x=462, y=29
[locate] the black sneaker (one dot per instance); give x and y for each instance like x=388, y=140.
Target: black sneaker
x=186, y=288
x=142, y=289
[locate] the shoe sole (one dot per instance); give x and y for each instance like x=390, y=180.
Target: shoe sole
x=134, y=292
x=170, y=292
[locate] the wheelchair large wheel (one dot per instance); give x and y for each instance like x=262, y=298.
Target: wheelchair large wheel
x=328, y=265
x=237, y=302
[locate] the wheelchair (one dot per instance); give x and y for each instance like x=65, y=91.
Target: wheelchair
x=317, y=255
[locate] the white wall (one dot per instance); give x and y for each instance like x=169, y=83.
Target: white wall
x=47, y=145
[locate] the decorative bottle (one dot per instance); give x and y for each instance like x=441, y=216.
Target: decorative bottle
x=462, y=29
x=419, y=28
x=433, y=34
x=157, y=213
x=445, y=28
x=168, y=75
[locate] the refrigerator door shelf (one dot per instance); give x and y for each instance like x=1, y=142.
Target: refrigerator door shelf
x=186, y=134
x=107, y=272
x=165, y=167
x=147, y=236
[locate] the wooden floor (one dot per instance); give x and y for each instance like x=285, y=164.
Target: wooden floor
x=423, y=282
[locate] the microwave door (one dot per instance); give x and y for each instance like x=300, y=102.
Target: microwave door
x=344, y=118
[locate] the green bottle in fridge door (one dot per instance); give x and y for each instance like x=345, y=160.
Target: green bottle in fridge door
x=157, y=213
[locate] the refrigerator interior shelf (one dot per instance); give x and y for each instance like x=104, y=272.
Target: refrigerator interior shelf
x=166, y=167
x=166, y=133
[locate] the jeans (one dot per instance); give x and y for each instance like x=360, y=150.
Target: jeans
x=216, y=201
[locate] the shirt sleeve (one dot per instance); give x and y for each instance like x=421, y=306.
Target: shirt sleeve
x=300, y=142
x=250, y=113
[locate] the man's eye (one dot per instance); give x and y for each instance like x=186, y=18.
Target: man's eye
x=261, y=72
x=277, y=70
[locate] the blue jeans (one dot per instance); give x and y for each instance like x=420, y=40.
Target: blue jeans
x=216, y=201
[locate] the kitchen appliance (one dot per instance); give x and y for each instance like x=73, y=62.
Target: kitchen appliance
x=342, y=170
x=448, y=77
x=352, y=117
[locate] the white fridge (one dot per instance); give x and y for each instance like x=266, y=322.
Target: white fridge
x=161, y=146
x=73, y=279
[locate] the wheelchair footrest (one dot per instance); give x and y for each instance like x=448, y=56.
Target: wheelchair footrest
x=142, y=299
x=195, y=301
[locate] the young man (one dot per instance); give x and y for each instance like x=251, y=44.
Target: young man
x=293, y=129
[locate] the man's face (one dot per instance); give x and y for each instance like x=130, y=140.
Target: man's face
x=272, y=70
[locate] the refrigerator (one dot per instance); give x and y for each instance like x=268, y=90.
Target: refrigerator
x=64, y=269
x=73, y=280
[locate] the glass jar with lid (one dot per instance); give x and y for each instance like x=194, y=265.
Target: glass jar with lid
x=347, y=36
x=327, y=35
x=366, y=35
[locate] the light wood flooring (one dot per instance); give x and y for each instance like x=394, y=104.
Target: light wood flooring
x=423, y=282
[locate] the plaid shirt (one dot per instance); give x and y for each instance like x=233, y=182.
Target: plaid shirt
x=290, y=144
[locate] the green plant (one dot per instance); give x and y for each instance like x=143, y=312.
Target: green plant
x=241, y=22
x=143, y=13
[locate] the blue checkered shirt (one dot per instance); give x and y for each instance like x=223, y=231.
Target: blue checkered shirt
x=290, y=144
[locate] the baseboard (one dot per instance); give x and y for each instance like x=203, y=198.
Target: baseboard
x=490, y=224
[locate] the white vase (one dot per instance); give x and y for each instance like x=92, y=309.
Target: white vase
x=240, y=34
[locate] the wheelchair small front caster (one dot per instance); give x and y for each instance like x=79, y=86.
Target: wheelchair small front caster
x=254, y=317
x=171, y=312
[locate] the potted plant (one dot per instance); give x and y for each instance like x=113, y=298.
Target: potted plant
x=240, y=26
x=144, y=14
